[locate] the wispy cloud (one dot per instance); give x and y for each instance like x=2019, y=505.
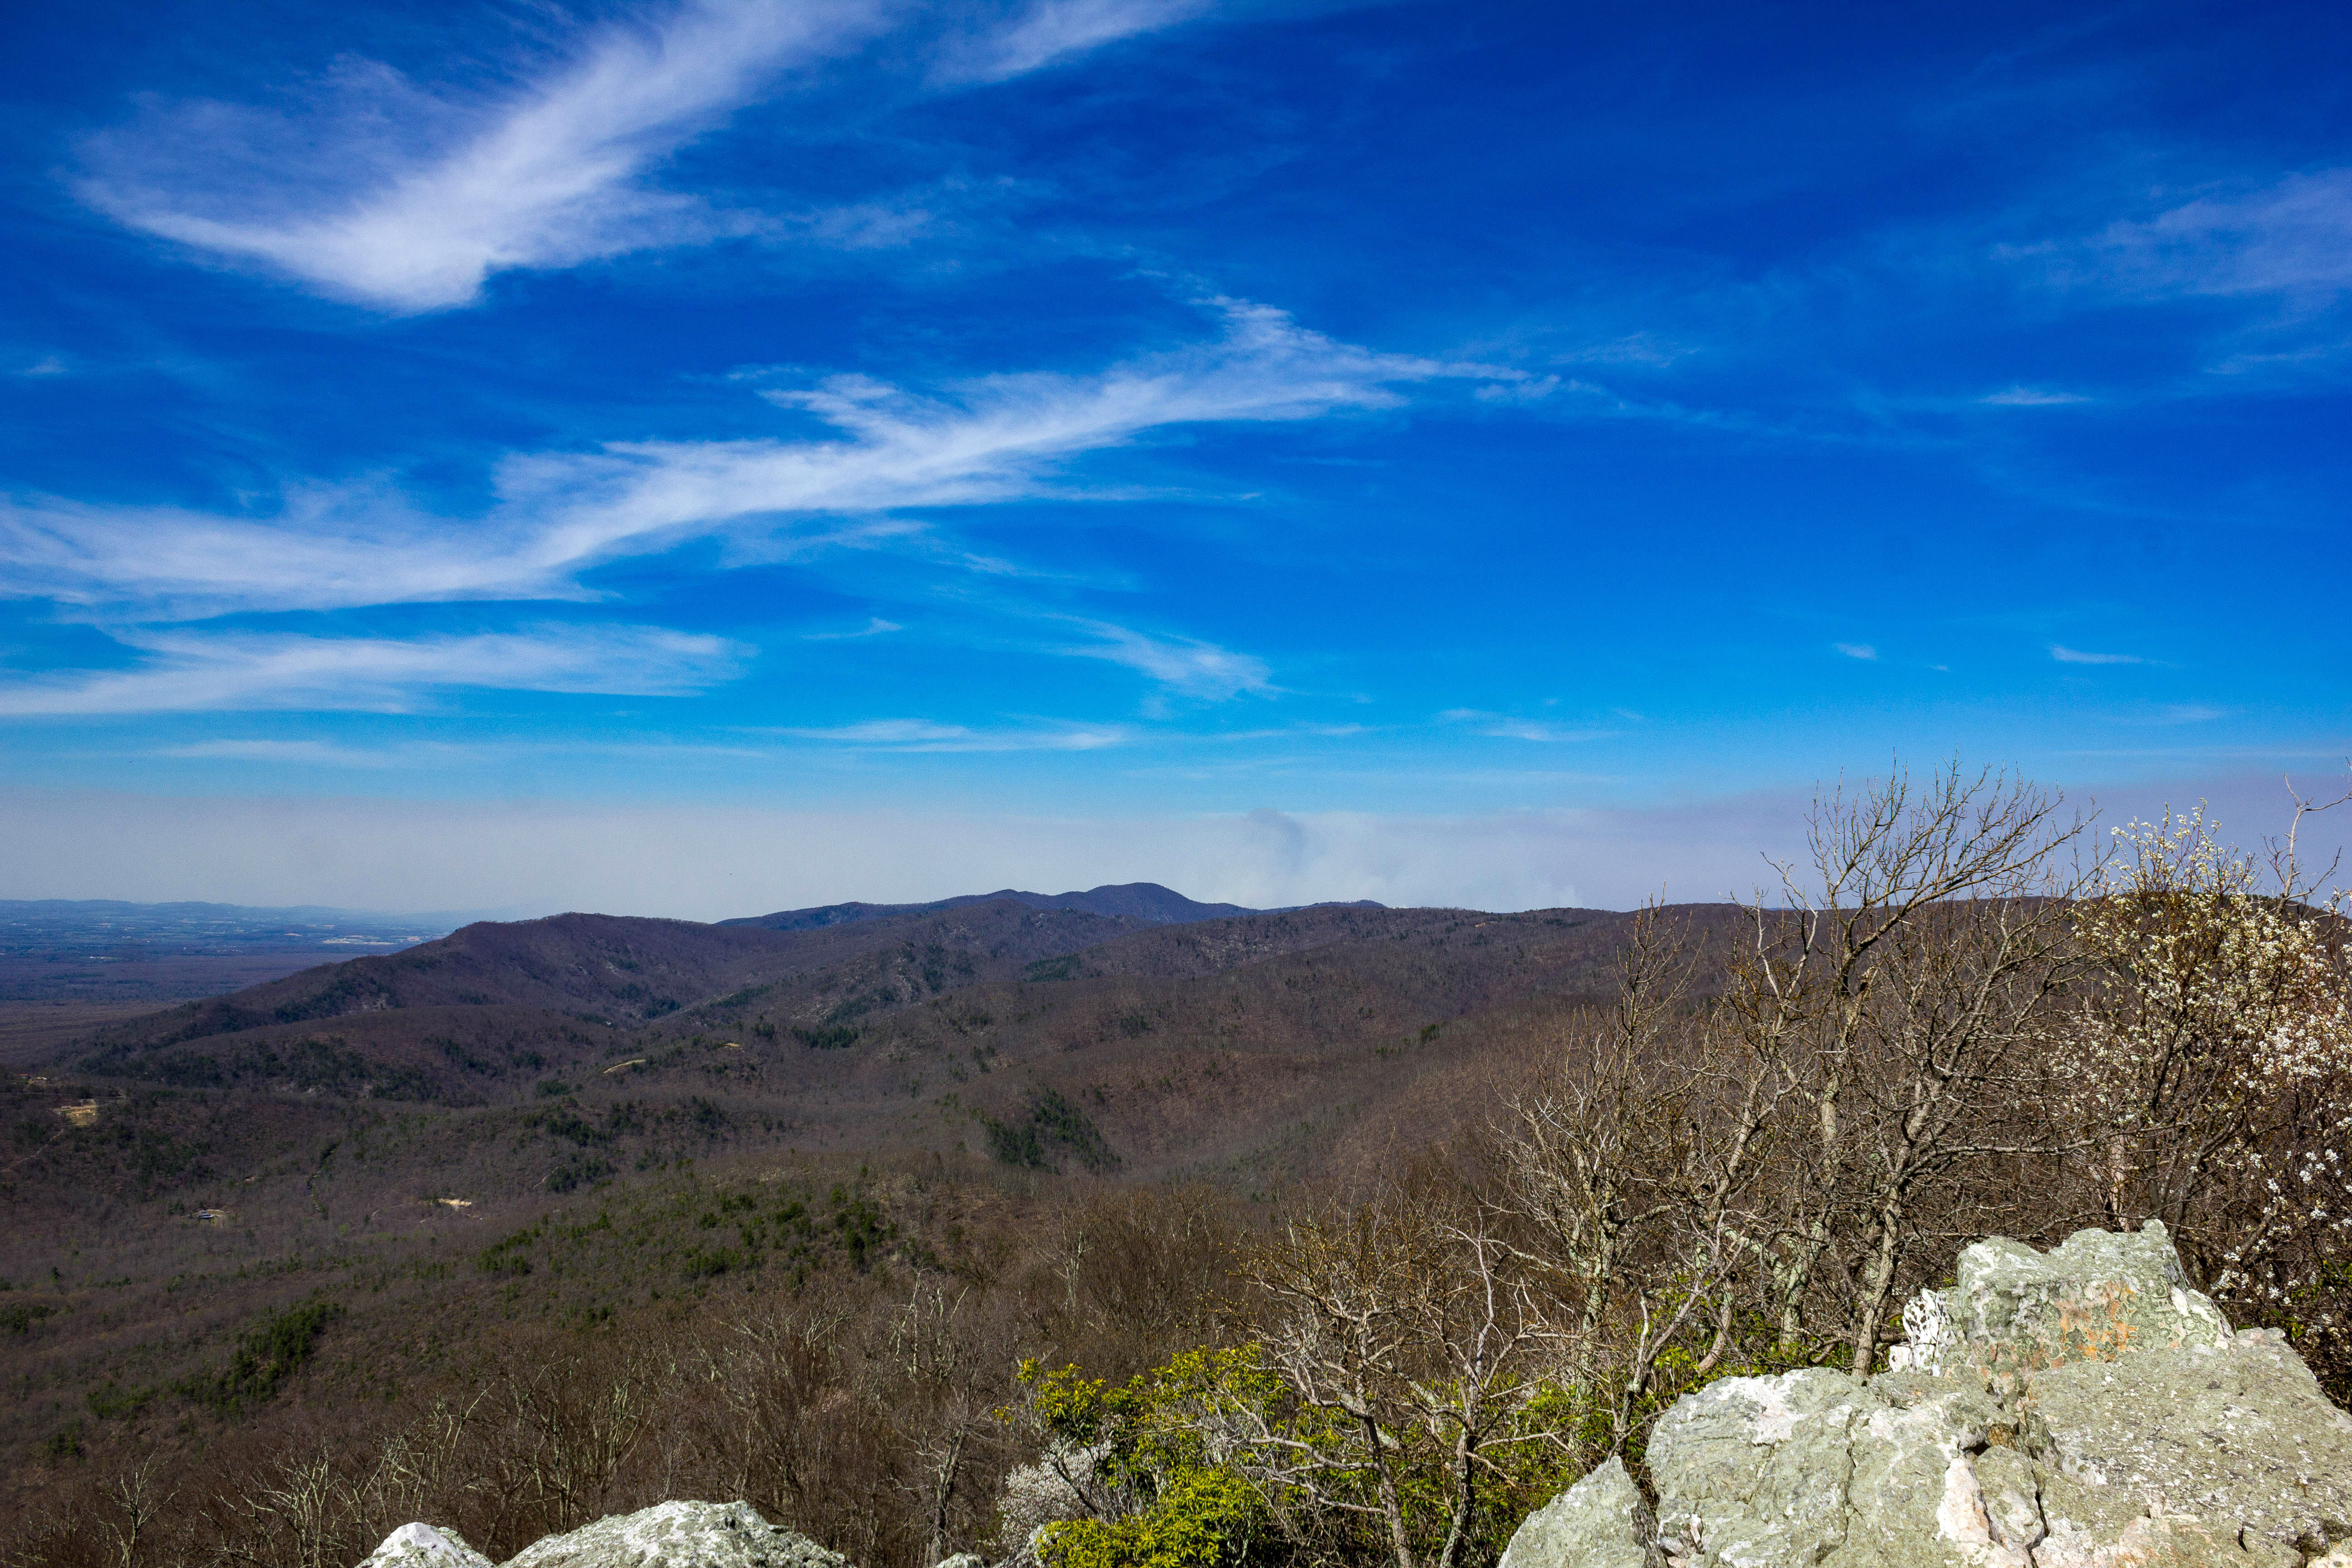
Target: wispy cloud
x=993, y=440
x=2065, y=655
x=1505, y=727
x=406, y=197
x=1182, y=664
x=1861, y=650
x=1051, y=30
x=1529, y=730
x=875, y=626
x=323, y=754
x=2292, y=237
x=2031, y=397
x=187, y=671
x=393, y=196
x=923, y=735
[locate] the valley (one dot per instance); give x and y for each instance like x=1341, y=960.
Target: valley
x=558, y=1120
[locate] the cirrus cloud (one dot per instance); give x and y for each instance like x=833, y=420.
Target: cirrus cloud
x=187, y=671
x=560, y=514
x=408, y=199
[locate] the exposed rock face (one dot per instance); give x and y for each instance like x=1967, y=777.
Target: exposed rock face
x=1599, y=1522
x=2081, y=1408
x=667, y=1536
x=423, y=1546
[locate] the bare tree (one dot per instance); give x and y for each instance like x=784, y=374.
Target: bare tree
x=1877, y=1032
x=573, y=1422
x=134, y=1498
x=1412, y=1330
x=1629, y=1158
x=941, y=1407
x=1960, y=1018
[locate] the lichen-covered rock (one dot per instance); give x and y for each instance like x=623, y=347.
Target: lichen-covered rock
x=1599, y=1522
x=2237, y=1435
x=2093, y=1298
x=425, y=1546
x=2079, y=1408
x=679, y=1535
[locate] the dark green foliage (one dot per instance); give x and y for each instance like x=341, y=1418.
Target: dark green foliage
x=1045, y=968
x=18, y=1317
x=564, y=1122
x=264, y=1359
x=831, y=1038
x=578, y=1170
x=317, y=1063
x=708, y=1262
x=351, y=988
x=1053, y=1127
x=508, y=1257
x=1017, y=1143
x=111, y=1401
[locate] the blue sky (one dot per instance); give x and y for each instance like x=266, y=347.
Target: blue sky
x=953, y=441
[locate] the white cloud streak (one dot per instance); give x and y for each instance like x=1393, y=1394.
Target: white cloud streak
x=391, y=194
x=1183, y=664
x=995, y=439
x=2291, y=238
x=325, y=753
x=1052, y=30
x=2031, y=397
x=187, y=671
x=552, y=176
x=875, y=626
x=1861, y=650
x=923, y=735
x=2065, y=655
x=1504, y=727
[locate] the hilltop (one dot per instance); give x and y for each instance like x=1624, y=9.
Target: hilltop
x=1145, y=902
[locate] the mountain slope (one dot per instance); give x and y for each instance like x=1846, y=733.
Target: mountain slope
x=452, y=1019
x=1250, y=1051
x=1147, y=902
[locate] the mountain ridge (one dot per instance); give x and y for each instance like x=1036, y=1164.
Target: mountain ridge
x=1148, y=902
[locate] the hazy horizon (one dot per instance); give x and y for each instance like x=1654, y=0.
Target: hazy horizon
x=518, y=860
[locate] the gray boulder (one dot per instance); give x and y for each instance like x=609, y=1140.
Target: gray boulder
x=1599, y=1522
x=425, y=1546
x=679, y=1535
x=2095, y=1298
x=2078, y=1408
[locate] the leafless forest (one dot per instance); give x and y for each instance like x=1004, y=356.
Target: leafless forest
x=1336, y=1239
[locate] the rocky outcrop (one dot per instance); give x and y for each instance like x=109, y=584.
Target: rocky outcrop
x=667, y=1536
x=2079, y=1408
x=423, y=1546
x=1599, y=1522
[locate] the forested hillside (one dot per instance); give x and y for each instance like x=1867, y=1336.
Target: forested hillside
x=1333, y=1235
x=384, y=1129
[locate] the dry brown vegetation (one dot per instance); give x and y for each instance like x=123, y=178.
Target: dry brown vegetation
x=1338, y=1237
